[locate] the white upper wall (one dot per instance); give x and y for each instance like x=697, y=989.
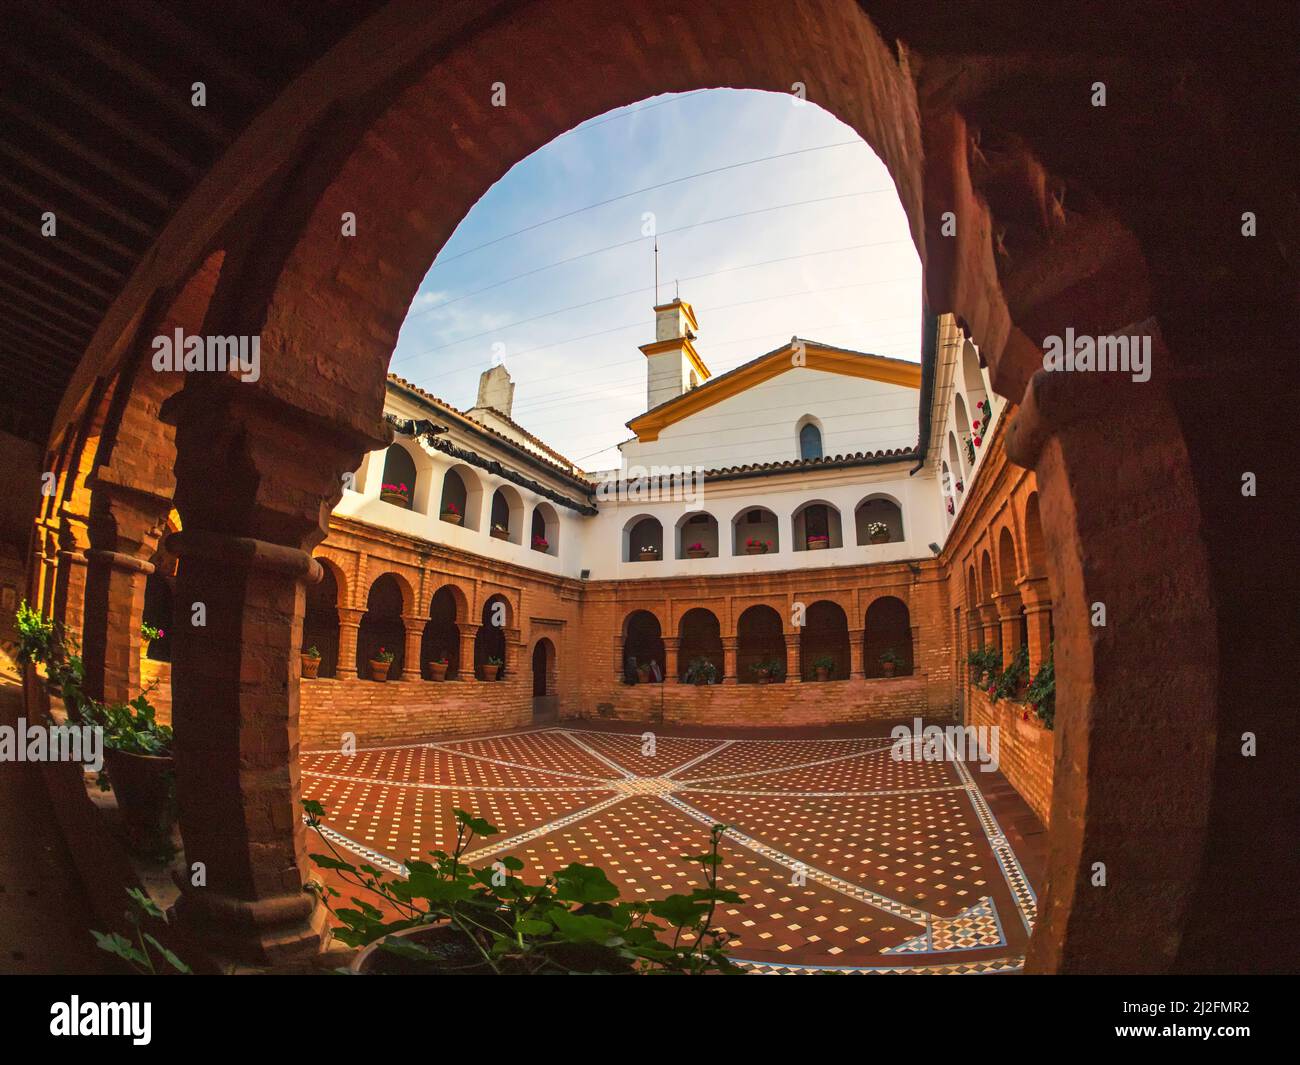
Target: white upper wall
x=761, y=423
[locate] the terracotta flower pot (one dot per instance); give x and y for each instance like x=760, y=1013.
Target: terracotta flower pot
x=142, y=784
x=396, y=498
x=693, y=552
x=643, y=675
x=497, y=535
x=818, y=545
x=822, y=673
x=310, y=667
x=755, y=549
x=452, y=519
x=438, y=670
x=880, y=538
x=379, y=670
x=763, y=678
x=649, y=556
x=888, y=668
x=490, y=672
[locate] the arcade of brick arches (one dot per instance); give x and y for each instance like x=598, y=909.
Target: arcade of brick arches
x=1094, y=490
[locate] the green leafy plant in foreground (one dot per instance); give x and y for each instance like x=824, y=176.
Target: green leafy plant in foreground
x=140, y=953
x=572, y=922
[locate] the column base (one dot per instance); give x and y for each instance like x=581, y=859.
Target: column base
x=270, y=931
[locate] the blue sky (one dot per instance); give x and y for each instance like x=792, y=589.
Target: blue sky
x=568, y=329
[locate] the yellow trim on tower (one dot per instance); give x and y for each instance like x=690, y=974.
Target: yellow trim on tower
x=851, y=364
x=662, y=347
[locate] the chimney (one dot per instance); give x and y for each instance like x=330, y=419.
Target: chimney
x=496, y=390
x=673, y=367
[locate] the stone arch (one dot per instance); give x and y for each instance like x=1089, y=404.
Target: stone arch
x=641, y=532
x=987, y=588
x=817, y=518
x=399, y=482
x=697, y=527
x=490, y=640
x=320, y=619
x=462, y=492
x=757, y=524
x=888, y=628
x=507, y=511
x=1035, y=551
x=1008, y=568
x=545, y=668
x=382, y=627
x=642, y=643
x=879, y=507
x=700, y=636
x=760, y=636
x=825, y=635
x=544, y=534
x=448, y=606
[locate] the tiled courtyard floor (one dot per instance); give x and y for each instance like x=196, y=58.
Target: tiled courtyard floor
x=846, y=858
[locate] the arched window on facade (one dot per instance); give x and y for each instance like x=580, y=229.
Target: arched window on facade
x=490, y=642
x=824, y=642
x=643, y=645
x=697, y=536
x=701, y=639
x=810, y=441
x=398, y=485
x=755, y=532
x=545, y=533
x=760, y=646
x=817, y=527
x=645, y=541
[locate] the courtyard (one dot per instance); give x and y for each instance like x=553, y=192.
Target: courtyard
x=846, y=858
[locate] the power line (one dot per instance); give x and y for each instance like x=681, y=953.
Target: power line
x=440, y=261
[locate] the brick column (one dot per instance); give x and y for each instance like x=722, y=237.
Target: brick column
x=793, y=658
x=124, y=529
x=412, y=667
x=730, y=644
x=465, y=666
x=256, y=479
x=857, y=664
x=516, y=654
x=672, y=667
x=989, y=627
x=1008, y=612
x=618, y=659
x=349, y=627
x=1038, y=619
x=70, y=577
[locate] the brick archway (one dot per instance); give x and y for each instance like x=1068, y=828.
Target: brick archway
x=328, y=310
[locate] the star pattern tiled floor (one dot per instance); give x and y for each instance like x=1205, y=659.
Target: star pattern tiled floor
x=846, y=858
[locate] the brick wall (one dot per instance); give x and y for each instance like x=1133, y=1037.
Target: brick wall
x=1026, y=750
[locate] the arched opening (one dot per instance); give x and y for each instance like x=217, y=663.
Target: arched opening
x=382, y=629
x=755, y=531
x=440, y=642
x=972, y=379
x=1007, y=568
x=878, y=519
x=546, y=698
x=461, y=498
x=760, y=646
x=962, y=425
x=158, y=615
x=490, y=641
x=545, y=533
x=697, y=536
x=824, y=642
x=987, y=591
x=810, y=438
x=955, y=462
x=507, y=515
x=888, y=633
x=817, y=527
x=398, y=484
x=643, y=540
x=320, y=620
x=1035, y=552
x=643, y=648
x=700, y=641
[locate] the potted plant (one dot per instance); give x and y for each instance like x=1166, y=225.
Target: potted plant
x=492, y=668
x=139, y=766
x=438, y=668
x=397, y=494
x=878, y=532
x=697, y=550
x=540, y=543
x=1041, y=694
x=818, y=542
x=310, y=659
x=451, y=513
x=701, y=671
x=643, y=672
x=768, y=670
x=447, y=918
x=950, y=506
x=149, y=633
x=970, y=451
x=379, y=665
x=499, y=531
x=889, y=662
x=757, y=547
x=983, y=662
x=1011, y=682
x=648, y=552
x=822, y=666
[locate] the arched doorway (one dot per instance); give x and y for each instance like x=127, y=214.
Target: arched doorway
x=546, y=700
x=824, y=641
x=490, y=640
x=760, y=646
x=381, y=627
x=320, y=621
x=700, y=640
x=643, y=646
